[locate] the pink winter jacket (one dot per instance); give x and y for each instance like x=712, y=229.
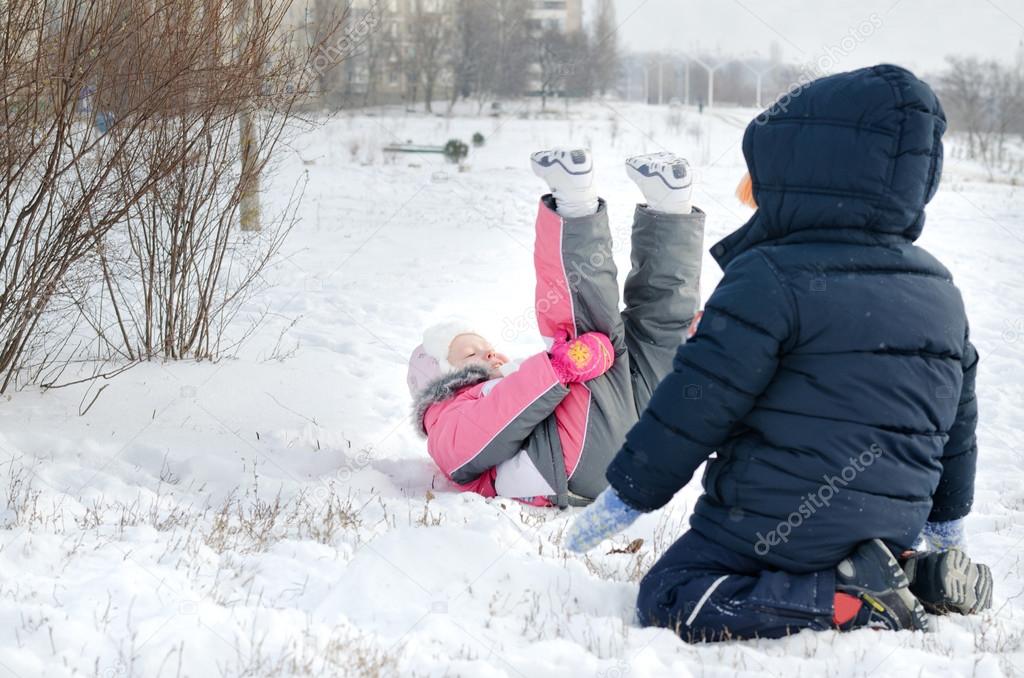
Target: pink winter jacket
x=475, y=422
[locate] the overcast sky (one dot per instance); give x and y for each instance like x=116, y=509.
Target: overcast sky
x=917, y=34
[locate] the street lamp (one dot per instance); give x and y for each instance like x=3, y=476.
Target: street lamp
x=711, y=76
x=759, y=74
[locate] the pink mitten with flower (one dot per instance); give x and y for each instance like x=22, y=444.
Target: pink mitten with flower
x=583, y=358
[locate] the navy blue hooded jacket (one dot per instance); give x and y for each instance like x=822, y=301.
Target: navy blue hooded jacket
x=831, y=370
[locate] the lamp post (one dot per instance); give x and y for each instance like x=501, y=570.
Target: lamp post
x=661, y=79
x=711, y=77
x=686, y=85
x=759, y=75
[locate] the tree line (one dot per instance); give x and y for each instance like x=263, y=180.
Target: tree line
x=984, y=100
x=426, y=51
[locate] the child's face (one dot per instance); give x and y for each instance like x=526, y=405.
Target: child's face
x=472, y=348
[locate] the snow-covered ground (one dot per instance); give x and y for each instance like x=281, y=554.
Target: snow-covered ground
x=275, y=514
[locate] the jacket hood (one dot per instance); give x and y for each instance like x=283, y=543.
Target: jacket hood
x=442, y=388
x=852, y=157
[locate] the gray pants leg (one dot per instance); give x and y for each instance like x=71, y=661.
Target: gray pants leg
x=661, y=296
x=662, y=293
x=604, y=406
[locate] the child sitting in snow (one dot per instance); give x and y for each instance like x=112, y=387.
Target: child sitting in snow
x=544, y=431
x=833, y=375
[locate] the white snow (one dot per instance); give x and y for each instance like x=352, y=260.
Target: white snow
x=275, y=514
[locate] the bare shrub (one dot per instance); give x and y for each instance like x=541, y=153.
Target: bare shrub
x=122, y=170
x=59, y=190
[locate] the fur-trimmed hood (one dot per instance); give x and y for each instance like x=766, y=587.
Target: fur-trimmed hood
x=443, y=388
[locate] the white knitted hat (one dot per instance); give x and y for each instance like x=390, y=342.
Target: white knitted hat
x=429, y=360
x=437, y=339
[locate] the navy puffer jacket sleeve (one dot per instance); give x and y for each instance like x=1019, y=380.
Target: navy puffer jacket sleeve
x=955, y=493
x=717, y=377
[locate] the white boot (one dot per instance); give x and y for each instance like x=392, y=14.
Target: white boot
x=665, y=179
x=569, y=173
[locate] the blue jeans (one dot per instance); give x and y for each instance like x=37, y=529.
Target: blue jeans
x=706, y=592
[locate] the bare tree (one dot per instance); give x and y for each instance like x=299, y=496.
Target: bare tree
x=513, y=53
x=431, y=32
x=604, y=60
x=491, y=51
x=578, y=68
x=963, y=92
x=554, y=62
x=174, y=272
x=375, y=51
x=351, y=65
x=328, y=74
x=119, y=118
x=59, y=172
x=983, y=100
x=471, y=49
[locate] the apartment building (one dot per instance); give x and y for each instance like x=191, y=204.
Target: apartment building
x=563, y=15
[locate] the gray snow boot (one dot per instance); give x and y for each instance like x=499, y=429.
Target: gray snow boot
x=947, y=581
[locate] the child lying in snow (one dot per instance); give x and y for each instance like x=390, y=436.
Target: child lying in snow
x=544, y=431
x=833, y=375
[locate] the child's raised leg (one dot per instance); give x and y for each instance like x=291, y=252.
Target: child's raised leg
x=577, y=288
x=577, y=291
x=662, y=290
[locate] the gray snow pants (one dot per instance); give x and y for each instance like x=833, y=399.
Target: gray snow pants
x=661, y=295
